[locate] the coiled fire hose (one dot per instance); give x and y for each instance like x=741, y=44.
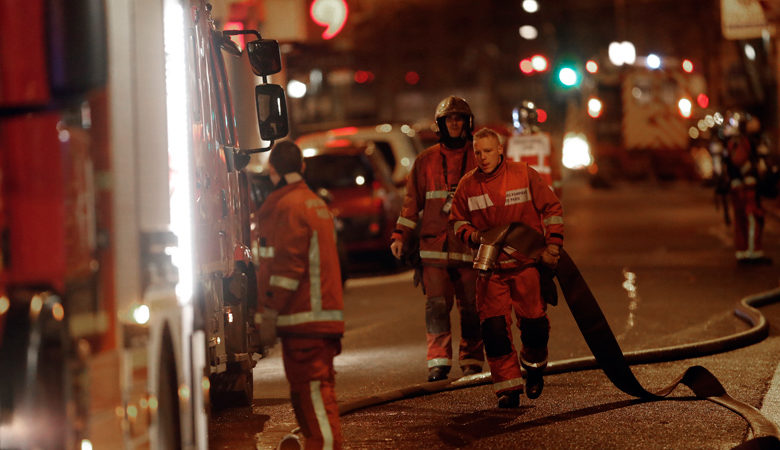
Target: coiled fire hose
x=607, y=354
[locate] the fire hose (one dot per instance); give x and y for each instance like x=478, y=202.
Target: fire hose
x=607, y=354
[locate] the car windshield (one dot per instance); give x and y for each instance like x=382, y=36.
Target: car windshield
x=338, y=171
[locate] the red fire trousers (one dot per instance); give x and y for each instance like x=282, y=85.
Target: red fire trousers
x=308, y=364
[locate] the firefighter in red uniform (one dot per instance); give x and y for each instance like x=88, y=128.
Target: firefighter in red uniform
x=300, y=280
x=500, y=192
x=446, y=262
x=746, y=165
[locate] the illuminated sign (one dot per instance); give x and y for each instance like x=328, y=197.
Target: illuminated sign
x=331, y=14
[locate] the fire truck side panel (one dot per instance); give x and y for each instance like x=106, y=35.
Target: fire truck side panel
x=33, y=189
x=25, y=81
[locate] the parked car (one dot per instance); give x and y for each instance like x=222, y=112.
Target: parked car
x=356, y=179
x=398, y=144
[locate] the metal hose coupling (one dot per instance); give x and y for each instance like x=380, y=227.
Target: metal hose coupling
x=490, y=245
x=486, y=257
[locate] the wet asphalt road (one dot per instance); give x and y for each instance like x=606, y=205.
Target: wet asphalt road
x=668, y=238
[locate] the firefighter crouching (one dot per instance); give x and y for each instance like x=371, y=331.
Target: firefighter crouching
x=501, y=192
x=300, y=280
x=446, y=262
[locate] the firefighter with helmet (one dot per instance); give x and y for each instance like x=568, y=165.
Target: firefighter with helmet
x=447, y=273
x=525, y=119
x=746, y=174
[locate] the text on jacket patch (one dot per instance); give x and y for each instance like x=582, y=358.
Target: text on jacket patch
x=516, y=196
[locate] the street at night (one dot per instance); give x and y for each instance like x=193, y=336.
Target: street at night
x=687, y=285
x=373, y=224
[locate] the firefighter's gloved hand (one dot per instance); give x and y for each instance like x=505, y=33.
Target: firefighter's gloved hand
x=475, y=239
x=396, y=248
x=551, y=255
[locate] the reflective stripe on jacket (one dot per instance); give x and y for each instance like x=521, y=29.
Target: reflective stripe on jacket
x=514, y=192
x=426, y=193
x=299, y=274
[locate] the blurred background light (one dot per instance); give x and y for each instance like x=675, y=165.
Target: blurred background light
x=594, y=107
x=528, y=32
x=526, y=66
x=653, y=61
x=539, y=63
x=576, y=151
x=592, y=66
x=750, y=52
x=296, y=89
x=685, y=107
x=530, y=6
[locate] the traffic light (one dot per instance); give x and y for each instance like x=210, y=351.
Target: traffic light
x=568, y=76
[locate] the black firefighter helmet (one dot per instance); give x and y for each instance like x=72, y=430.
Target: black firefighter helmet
x=453, y=105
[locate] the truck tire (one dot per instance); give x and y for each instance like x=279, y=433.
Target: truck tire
x=168, y=412
x=39, y=384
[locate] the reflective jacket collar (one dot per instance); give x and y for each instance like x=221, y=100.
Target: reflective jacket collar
x=500, y=168
x=287, y=179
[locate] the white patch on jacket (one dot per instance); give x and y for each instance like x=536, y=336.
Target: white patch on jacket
x=479, y=202
x=516, y=196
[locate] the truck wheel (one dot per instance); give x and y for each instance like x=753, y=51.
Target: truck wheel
x=168, y=413
x=40, y=380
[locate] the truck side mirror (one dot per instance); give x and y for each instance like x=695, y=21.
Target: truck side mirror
x=271, y=111
x=264, y=56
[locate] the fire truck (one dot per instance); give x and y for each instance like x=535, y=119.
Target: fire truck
x=127, y=292
x=636, y=119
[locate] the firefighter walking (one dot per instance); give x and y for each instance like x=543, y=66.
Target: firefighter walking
x=446, y=262
x=745, y=173
x=300, y=283
x=501, y=192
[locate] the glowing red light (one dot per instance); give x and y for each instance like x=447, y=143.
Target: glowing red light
x=331, y=14
x=702, y=100
x=239, y=38
x=361, y=76
x=346, y=131
x=526, y=66
x=335, y=143
x=541, y=115
x=412, y=77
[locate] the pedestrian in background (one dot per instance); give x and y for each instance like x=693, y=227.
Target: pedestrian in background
x=446, y=262
x=501, y=192
x=300, y=282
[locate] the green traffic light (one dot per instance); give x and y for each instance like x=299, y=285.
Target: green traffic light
x=568, y=77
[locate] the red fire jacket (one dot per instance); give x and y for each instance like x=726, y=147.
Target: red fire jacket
x=435, y=174
x=514, y=192
x=299, y=274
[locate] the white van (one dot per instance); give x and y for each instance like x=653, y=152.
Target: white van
x=398, y=143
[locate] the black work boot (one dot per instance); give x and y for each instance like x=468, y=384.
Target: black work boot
x=510, y=399
x=534, y=381
x=438, y=373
